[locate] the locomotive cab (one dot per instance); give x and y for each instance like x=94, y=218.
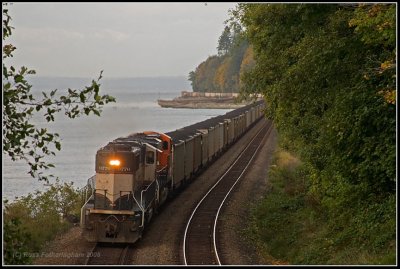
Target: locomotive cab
x=165, y=150
x=126, y=190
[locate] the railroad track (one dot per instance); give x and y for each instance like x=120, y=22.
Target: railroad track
x=109, y=254
x=200, y=242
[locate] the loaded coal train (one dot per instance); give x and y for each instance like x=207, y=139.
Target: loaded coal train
x=135, y=174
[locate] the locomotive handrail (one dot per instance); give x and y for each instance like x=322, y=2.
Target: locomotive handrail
x=109, y=194
x=90, y=183
x=145, y=190
x=157, y=190
x=105, y=195
x=134, y=198
x=140, y=207
x=120, y=195
x=162, y=168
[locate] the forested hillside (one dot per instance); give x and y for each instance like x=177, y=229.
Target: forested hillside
x=328, y=75
x=221, y=73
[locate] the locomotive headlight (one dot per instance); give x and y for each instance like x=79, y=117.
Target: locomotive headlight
x=114, y=162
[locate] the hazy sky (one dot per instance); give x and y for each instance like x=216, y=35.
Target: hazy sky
x=123, y=39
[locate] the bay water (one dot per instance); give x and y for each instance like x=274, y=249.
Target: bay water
x=135, y=110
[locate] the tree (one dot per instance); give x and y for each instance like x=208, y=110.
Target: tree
x=328, y=75
x=192, y=78
x=203, y=77
x=22, y=140
x=15, y=240
x=221, y=73
x=247, y=63
x=225, y=41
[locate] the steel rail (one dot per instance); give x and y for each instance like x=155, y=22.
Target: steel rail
x=185, y=258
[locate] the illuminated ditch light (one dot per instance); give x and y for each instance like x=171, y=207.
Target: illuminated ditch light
x=115, y=162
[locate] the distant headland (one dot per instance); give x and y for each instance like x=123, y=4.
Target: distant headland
x=204, y=100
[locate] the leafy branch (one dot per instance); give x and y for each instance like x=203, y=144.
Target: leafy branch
x=22, y=140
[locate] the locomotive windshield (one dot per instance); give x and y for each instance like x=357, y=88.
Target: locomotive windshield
x=117, y=162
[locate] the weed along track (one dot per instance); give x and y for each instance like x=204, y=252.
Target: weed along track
x=200, y=242
x=109, y=254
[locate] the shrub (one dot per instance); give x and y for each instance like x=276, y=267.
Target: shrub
x=33, y=220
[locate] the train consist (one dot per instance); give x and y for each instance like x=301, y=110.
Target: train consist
x=135, y=174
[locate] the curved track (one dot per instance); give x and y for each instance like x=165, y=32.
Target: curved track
x=200, y=242
x=109, y=254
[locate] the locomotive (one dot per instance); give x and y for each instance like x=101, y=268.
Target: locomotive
x=137, y=173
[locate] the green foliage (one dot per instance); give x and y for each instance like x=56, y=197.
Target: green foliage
x=33, y=220
x=225, y=41
x=15, y=240
x=291, y=226
x=202, y=78
x=376, y=24
x=221, y=73
x=328, y=75
x=311, y=68
x=22, y=140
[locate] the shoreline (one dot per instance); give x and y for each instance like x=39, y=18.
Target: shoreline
x=203, y=103
x=199, y=105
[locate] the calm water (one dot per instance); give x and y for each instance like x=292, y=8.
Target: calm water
x=136, y=110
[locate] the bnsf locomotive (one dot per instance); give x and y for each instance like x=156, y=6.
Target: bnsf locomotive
x=135, y=174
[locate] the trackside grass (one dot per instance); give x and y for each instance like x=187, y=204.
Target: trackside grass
x=291, y=225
